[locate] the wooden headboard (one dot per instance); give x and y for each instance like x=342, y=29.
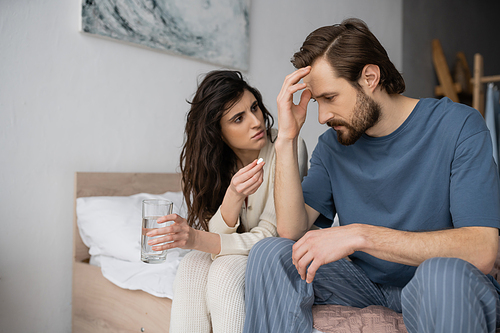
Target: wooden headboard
x=89, y=184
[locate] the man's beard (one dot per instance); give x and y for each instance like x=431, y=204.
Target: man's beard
x=365, y=114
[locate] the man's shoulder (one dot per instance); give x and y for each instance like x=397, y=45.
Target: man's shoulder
x=451, y=116
x=445, y=107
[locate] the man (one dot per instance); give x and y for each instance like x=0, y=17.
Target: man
x=413, y=183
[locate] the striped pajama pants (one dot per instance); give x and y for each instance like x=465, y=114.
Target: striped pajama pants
x=445, y=295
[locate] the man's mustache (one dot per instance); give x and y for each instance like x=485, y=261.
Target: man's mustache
x=337, y=122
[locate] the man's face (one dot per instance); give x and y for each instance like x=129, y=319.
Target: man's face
x=349, y=111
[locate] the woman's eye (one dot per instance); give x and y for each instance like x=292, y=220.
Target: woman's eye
x=255, y=107
x=238, y=119
x=314, y=100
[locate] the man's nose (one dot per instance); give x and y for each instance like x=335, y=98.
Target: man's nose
x=323, y=116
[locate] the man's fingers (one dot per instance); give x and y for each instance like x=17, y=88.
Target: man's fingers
x=296, y=76
x=298, y=250
x=303, y=263
x=291, y=83
x=305, y=97
x=311, y=271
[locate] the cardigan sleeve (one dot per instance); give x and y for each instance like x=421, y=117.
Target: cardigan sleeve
x=219, y=226
x=241, y=243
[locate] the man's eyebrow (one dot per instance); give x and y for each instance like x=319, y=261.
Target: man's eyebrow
x=322, y=95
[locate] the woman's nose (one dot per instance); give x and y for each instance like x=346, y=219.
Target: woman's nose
x=255, y=120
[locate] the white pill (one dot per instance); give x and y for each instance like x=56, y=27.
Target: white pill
x=260, y=160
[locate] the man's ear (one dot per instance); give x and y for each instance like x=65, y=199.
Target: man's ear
x=370, y=77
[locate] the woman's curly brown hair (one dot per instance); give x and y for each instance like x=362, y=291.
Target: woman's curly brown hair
x=207, y=163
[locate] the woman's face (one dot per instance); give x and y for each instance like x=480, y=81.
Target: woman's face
x=243, y=127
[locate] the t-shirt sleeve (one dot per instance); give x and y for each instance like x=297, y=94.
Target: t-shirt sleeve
x=474, y=181
x=316, y=186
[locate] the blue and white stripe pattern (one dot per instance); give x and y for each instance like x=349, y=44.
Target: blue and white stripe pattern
x=460, y=297
x=450, y=295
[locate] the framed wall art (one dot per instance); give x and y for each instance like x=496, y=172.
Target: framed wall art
x=213, y=31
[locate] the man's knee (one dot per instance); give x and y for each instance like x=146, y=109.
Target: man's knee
x=449, y=290
x=445, y=272
x=269, y=251
x=443, y=278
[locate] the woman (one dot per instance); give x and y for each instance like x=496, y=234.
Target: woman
x=229, y=196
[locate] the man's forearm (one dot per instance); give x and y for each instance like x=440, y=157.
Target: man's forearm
x=477, y=245
x=292, y=220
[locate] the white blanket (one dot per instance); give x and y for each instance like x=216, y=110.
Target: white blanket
x=155, y=279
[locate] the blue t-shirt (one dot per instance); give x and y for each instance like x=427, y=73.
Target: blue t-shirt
x=436, y=171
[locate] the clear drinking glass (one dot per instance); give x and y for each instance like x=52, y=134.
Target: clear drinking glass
x=152, y=210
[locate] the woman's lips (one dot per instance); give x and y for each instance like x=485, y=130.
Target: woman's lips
x=258, y=135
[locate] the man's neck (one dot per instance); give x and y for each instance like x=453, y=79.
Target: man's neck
x=395, y=109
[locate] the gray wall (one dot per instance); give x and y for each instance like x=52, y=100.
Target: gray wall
x=461, y=25
x=72, y=102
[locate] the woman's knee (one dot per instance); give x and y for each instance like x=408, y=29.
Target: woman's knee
x=194, y=266
x=226, y=280
x=229, y=268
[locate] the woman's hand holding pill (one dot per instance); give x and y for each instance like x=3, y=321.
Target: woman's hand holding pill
x=248, y=179
x=244, y=183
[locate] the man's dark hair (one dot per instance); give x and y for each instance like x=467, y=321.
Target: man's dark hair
x=348, y=47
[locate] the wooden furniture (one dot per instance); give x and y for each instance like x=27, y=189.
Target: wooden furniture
x=99, y=305
x=447, y=87
x=478, y=81
x=466, y=83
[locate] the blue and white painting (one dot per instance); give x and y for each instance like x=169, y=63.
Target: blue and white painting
x=214, y=31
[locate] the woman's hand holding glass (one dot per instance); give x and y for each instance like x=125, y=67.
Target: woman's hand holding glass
x=179, y=234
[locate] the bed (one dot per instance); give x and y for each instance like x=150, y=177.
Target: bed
x=99, y=305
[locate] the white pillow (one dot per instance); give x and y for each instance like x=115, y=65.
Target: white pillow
x=111, y=226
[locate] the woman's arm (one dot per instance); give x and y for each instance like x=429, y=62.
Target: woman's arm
x=245, y=182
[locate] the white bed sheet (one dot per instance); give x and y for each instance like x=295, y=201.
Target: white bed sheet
x=111, y=228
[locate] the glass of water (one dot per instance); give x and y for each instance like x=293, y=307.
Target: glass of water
x=152, y=210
